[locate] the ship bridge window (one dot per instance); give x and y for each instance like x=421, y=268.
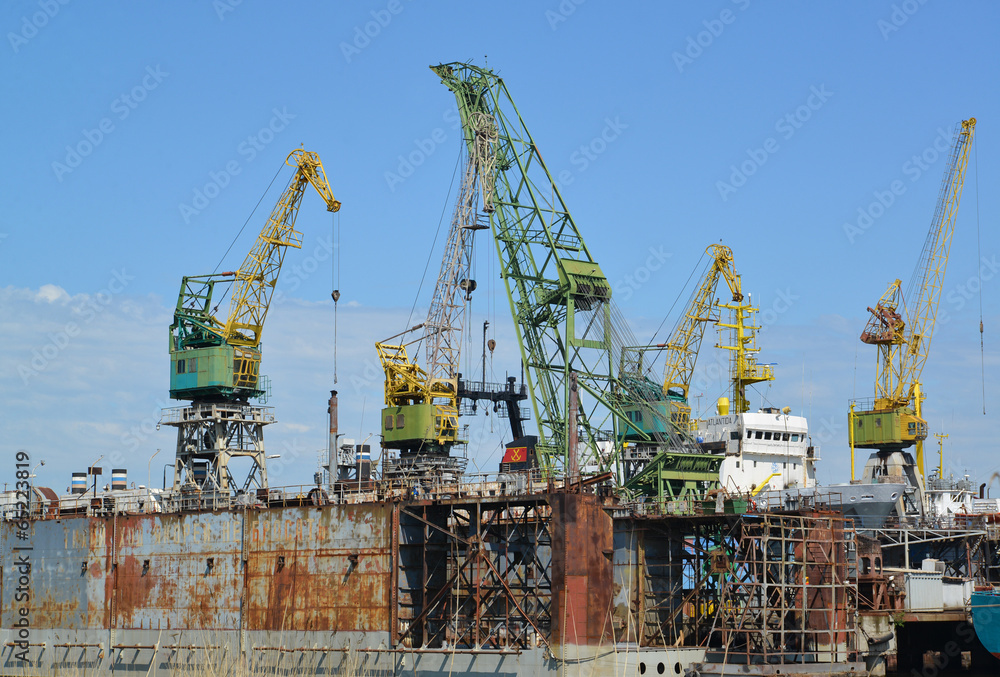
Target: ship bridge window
x=734, y=435
x=749, y=434
x=795, y=437
x=758, y=435
x=784, y=437
x=767, y=435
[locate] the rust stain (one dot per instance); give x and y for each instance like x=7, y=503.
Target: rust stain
x=581, y=533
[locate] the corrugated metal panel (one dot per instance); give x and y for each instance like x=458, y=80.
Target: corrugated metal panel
x=308, y=568
x=924, y=591
x=177, y=571
x=956, y=595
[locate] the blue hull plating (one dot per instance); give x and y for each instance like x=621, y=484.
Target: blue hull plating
x=986, y=619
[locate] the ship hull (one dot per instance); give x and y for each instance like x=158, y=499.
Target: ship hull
x=333, y=589
x=986, y=620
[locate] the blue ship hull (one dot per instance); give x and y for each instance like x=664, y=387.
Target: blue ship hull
x=986, y=619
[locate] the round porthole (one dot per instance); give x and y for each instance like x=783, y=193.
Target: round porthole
x=660, y=669
x=894, y=496
x=642, y=668
x=853, y=498
x=677, y=668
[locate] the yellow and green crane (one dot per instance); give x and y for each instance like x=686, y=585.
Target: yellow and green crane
x=902, y=325
x=210, y=358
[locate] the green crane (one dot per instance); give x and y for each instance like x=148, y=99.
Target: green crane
x=559, y=297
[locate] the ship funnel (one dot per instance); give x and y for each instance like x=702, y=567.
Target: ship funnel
x=79, y=484
x=722, y=406
x=119, y=479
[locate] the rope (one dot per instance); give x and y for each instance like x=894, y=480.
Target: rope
x=335, y=274
x=222, y=297
x=979, y=268
x=430, y=254
x=263, y=195
x=697, y=267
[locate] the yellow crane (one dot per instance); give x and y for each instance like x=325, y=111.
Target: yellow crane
x=685, y=340
x=901, y=326
x=215, y=366
x=212, y=359
x=661, y=457
x=682, y=348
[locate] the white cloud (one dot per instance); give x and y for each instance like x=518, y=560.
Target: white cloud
x=51, y=293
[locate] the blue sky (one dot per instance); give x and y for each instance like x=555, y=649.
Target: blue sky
x=771, y=128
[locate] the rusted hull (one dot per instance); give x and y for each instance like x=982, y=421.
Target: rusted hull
x=468, y=583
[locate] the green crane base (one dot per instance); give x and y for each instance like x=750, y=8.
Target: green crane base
x=676, y=475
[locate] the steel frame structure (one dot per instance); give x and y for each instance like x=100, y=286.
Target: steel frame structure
x=787, y=598
x=474, y=574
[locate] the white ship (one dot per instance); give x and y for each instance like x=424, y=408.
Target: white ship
x=769, y=447
x=770, y=457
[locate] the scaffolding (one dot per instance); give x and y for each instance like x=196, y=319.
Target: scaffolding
x=788, y=599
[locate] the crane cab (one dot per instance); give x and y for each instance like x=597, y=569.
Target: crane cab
x=650, y=418
x=215, y=371
x=895, y=428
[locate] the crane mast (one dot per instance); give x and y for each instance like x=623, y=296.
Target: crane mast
x=901, y=326
x=744, y=370
x=559, y=297
x=446, y=318
x=420, y=418
x=685, y=340
x=215, y=365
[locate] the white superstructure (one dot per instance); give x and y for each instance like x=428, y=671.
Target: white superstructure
x=769, y=446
